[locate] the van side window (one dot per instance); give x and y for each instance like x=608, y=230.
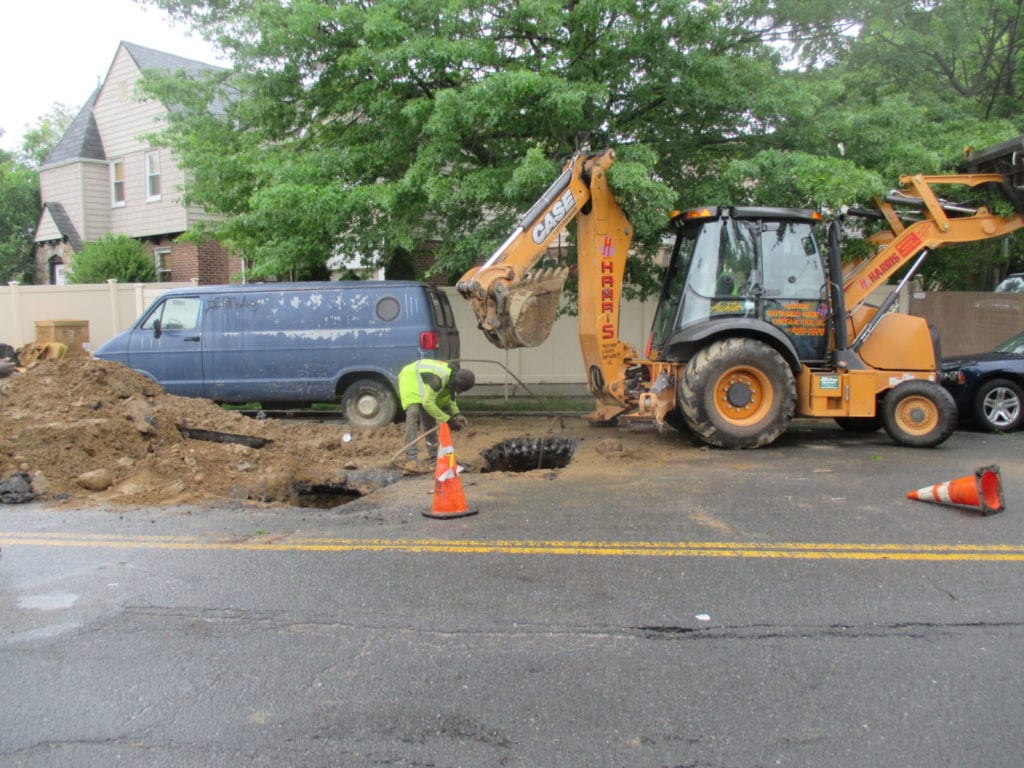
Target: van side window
x=388, y=309
x=178, y=314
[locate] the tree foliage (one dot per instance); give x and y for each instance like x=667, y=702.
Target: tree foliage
x=112, y=257
x=372, y=126
x=40, y=140
x=19, y=209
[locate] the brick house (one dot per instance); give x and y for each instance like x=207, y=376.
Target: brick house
x=104, y=178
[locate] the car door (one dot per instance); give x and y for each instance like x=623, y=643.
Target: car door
x=167, y=345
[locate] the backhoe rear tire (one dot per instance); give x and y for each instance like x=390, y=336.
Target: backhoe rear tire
x=919, y=414
x=737, y=393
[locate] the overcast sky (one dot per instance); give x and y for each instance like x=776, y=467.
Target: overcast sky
x=58, y=51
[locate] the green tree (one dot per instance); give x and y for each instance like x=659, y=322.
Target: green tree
x=40, y=140
x=19, y=209
x=371, y=127
x=112, y=257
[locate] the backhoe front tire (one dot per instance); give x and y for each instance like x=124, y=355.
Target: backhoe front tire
x=737, y=393
x=919, y=414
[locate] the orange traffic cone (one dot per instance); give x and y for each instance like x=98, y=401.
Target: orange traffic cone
x=449, y=500
x=983, y=490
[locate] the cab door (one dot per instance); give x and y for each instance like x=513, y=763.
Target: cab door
x=793, y=286
x=167, y=345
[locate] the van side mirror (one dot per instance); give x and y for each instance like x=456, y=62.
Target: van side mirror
x=157, y=328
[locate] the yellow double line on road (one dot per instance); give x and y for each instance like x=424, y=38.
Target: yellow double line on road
x=295, y=543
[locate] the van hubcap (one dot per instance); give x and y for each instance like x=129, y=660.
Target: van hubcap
x=367, y=406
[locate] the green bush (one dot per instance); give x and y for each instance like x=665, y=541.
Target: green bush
x=113, y=257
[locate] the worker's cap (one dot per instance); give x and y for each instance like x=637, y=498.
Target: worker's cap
x=462, y=380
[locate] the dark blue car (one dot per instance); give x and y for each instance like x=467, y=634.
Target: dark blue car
x=988, y=387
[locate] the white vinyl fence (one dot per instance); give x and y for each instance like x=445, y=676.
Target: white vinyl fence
x=556, y=365
x=111, y=308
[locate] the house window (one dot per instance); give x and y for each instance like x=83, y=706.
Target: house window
x=162, y=257
x=117, y=197
x=153, y=175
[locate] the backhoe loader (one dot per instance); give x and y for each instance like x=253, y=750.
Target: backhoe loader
x=756, y=323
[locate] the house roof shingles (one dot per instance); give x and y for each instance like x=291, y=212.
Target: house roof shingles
x=81, y=141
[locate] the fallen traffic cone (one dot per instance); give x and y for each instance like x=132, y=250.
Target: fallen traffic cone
x=449, y=500
x=983, y=491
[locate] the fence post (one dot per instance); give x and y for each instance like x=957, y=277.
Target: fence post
x=140, y=299
x=115, y=311
x=19, y=339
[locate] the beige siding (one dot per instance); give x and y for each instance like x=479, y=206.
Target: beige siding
x=124, y=121
x=64, y=185
x=83, y=188
x=96, y=199
x=47, y=229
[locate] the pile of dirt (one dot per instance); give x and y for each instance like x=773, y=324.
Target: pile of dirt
x=89, y=431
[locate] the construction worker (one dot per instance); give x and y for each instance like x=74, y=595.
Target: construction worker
x=427, y=389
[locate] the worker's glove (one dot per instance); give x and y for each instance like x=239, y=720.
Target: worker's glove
x=455, y=423
x=461, y=420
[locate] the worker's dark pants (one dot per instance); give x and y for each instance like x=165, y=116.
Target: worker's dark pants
x=417, y=421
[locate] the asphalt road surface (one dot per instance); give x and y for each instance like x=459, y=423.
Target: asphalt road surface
x=784, y=607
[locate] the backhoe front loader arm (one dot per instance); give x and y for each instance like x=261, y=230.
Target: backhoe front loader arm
x=941, y=224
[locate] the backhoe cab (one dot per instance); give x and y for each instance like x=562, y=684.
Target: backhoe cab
x=757, y=322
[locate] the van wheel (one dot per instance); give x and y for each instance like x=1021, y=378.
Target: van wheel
x=369, y=403
x=737, y=393
x=919, y=414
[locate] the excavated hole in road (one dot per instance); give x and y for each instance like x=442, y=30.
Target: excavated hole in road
x=324, y=496
x=525, y=454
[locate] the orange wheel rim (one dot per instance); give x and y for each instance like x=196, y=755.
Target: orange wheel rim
x=917, y=415
x=743, y=395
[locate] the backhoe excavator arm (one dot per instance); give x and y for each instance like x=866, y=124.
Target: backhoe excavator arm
x=516, y=305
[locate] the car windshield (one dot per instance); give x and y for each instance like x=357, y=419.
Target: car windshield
x=1013, y=345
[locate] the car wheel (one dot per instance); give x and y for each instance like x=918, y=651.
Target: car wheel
x=919, y=414
x=997, y=406
x=369, y=403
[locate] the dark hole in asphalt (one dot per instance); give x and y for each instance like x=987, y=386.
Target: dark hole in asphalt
x=324, y=495
x=524, y=454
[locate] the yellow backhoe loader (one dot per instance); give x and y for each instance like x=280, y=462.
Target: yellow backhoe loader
x=756, y=323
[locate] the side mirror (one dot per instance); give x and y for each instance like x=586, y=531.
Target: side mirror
x=157, y=328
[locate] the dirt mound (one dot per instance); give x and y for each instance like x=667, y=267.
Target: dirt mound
x=93, y=431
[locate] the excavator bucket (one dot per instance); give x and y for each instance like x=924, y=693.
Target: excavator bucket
x=525, y=310
x=1006, y=158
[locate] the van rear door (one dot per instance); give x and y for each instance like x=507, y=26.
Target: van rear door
x=167, y=345
x=449, y=347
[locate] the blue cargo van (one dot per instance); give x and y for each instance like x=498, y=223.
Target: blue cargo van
x=290, y=344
